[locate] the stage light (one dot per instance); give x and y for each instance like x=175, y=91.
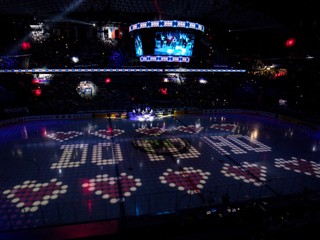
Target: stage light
x=35, y=81
x=290, y=42
x=37, y=92
x=25, y=45
x=164, y=91
x=75, y=59
x=202, y=81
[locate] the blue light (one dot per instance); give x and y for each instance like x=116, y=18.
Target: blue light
x=137, y=211
x=174, y=23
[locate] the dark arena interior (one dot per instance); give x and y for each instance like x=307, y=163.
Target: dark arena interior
x=159, y=119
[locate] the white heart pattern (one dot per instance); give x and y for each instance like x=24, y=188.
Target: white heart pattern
x=310, y=168
x=108, y=187
x=188, y=179
x=31, y=194
x=246, y=172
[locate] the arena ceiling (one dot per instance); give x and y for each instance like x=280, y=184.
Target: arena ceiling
x=250, y=13
x=256, y=23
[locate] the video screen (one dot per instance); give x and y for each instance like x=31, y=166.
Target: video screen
x=175, y=43
x=138, y=45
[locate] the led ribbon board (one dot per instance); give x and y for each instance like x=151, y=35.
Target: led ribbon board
x=167, y=24
x=121, y=70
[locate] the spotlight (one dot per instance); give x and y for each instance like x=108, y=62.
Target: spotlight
x=25, y=45
x=290, y=42
x=75, y=59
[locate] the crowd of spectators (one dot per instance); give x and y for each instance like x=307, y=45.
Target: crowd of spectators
x=122, y=91
x=254, y=89
x=73, y=47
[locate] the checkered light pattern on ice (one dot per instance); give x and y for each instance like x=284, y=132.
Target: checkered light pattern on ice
x=189, y=129
x=225, y=127
x=235, y=144
x=299, y=165
x=188, y=179
x=64, y=136
x=108, y=187
x=247, y=172
x=31, y=195
x=106, y=153
x=102, y=133
x=153, y=131
x=176, y=147
x=73, y=155
x=108, y=133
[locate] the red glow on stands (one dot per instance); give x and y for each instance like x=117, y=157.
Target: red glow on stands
x=107, y=80
x=290, y=42
x=37, y=92
x=25, y=45
x=164, y=91
x=120, y=32
x=280, y=73
x=35, y=81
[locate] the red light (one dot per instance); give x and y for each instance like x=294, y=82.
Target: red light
x=290, y=42
x=43, y=132
x=37, y=92
x=85, y=186
x=164, y=91
x=35, y=81
x=25, y=45
x=89, y=203
x=107, y=80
